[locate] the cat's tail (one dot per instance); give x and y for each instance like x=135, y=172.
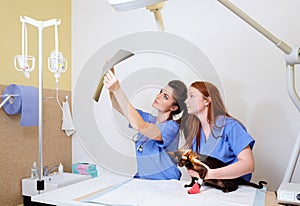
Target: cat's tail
x=260, y=184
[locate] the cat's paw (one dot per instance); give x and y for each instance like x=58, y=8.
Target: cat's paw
x=195, y=189
x=188, y=185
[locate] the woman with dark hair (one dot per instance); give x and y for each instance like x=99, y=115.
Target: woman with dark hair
x=156, y=134
x=213, y=132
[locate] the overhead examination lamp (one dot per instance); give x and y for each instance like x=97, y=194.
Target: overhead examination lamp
x=288, y=192
x=154, y=6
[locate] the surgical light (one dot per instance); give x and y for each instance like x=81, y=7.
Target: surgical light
x=154, y=6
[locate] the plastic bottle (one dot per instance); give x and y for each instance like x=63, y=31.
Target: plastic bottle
x=34, y=170
x=60, y=168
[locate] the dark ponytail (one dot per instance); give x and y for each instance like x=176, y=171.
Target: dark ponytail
x=180, y=94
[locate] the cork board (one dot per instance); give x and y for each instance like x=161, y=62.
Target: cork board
x=19, y=146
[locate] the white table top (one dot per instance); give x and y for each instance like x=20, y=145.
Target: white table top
x=145, y=192
x=66, y=196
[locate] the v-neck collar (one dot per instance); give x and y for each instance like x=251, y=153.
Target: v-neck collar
x=207, y=146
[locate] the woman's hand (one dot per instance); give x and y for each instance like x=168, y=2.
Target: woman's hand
x=193, y=173
x=111, y=82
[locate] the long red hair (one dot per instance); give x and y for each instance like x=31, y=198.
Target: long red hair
x=216, y=108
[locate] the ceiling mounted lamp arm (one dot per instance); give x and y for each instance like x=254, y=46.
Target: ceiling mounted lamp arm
x=291, y=57
x=156, y=8
x=279, y=43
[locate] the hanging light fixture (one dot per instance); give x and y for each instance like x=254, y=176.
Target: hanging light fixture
x=154, y=6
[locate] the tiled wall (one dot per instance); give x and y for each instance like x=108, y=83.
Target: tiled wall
x=19, y=146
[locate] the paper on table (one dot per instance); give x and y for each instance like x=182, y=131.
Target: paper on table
x=120, y=56
x=171, y=192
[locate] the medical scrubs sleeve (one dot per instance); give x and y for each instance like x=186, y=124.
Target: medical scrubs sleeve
x=153, y=160
x=168, y=129
x=237, y=137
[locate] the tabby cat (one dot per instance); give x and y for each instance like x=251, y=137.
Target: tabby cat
x=192, y=160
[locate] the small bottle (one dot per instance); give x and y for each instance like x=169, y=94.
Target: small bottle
x=34, y=170
x=60, y=168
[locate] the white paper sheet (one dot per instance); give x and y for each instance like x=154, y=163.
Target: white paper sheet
x=171, y=192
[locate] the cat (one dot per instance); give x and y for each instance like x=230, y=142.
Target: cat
x=192, y=160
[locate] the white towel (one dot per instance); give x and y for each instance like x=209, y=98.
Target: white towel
x=67, y=121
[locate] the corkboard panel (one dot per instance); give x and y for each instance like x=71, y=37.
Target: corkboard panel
x=19, y=146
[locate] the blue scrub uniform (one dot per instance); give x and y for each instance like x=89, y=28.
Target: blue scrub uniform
x=228, y=142
x=153, y=161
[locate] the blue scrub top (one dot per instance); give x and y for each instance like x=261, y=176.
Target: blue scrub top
x=228, y=141
x=153, y=162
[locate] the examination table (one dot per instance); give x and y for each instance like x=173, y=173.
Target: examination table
x=124, y=191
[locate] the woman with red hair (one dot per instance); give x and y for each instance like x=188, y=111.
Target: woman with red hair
x=213, y=132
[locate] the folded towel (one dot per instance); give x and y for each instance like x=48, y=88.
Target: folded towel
x=92, y=173
x=84, y=165
x=85, y=169
x=84, y=172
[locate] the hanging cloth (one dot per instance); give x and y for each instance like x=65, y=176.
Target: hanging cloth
x=67, y=121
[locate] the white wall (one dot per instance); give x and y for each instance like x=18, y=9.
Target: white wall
x=252, y=70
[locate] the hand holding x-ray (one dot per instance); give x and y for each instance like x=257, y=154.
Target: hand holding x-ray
x=111, y=81
x=120, y=56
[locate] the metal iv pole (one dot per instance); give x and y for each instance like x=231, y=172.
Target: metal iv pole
x=40, y=25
